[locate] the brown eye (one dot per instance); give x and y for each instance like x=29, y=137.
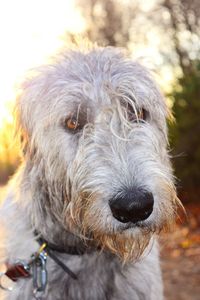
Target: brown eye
x=72, y=123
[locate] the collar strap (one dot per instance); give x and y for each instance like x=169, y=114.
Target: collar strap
x=71, y=250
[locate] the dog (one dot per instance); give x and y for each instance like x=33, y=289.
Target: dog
x=95, y=186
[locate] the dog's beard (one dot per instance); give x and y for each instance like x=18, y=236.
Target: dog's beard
x=128, y=245
x=127, y=248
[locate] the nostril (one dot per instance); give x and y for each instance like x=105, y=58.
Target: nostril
x=132, y=206
x=120, y=218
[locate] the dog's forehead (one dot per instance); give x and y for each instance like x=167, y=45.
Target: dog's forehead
x=102, y=74
x=99, y=77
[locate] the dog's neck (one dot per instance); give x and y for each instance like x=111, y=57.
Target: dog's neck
x=45, y=216
x=59, y=239
x=49, y=229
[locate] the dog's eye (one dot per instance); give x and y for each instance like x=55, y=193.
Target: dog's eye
x=72, y=123
x=139, y=115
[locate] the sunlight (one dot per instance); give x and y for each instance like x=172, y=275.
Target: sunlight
x=30, y=31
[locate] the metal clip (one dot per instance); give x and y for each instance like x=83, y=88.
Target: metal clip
x=39, y=273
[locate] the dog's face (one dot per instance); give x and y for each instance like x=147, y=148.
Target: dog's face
x=95, y=137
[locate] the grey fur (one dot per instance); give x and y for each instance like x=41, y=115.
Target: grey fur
x=66, y=179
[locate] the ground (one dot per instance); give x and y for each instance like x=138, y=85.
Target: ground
x=180, y=257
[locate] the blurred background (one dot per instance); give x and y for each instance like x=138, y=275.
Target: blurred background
x=165, y=36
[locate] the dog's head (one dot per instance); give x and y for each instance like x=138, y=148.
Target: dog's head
x=95, y=146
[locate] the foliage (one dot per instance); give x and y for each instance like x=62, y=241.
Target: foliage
x=185, y=132
x=108, y=21
x=183, y=30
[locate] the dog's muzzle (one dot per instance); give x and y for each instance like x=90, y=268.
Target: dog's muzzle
x=133, y=205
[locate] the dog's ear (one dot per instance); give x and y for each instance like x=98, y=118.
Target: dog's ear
x=21, y=134
x=24, y=116
x=24, y=144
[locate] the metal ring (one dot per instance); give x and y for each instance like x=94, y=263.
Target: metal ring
x=9, y=289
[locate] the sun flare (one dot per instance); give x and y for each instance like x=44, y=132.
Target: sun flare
x=31, y=31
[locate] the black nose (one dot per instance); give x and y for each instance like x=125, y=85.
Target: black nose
x=132, y=206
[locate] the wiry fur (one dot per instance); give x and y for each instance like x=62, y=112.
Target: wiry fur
x=66, y=179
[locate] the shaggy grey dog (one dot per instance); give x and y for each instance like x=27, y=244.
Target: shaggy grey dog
x=95, y=183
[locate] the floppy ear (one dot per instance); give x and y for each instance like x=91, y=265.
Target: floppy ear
x=20, y=131
x=24, y=115
x=30, y=106
x=23, y=143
